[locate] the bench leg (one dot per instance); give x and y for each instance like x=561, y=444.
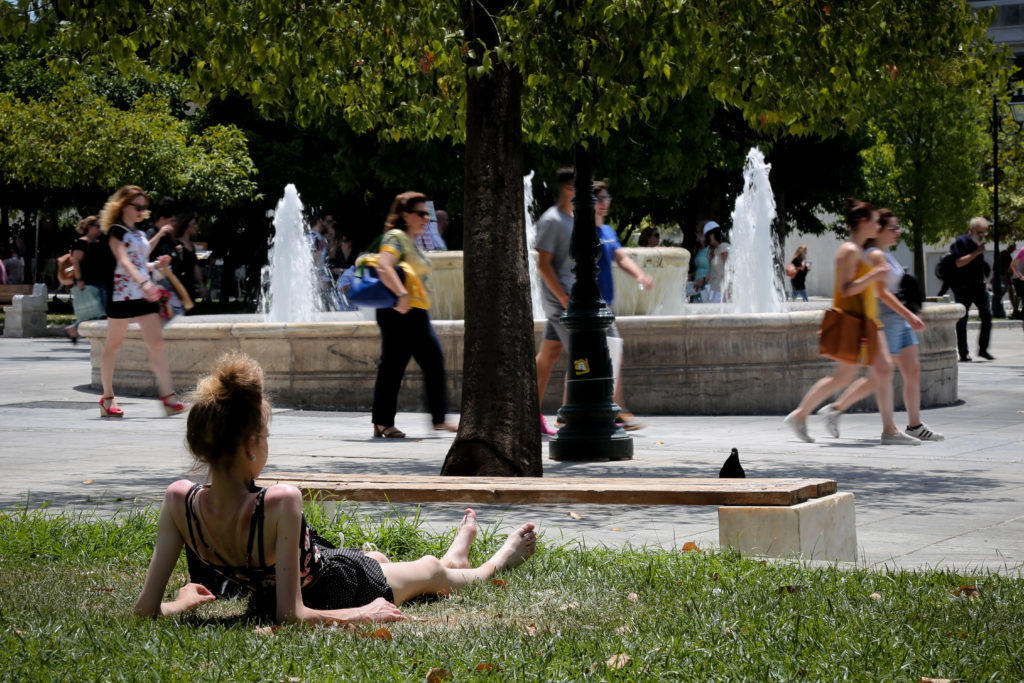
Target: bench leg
x=820, y=529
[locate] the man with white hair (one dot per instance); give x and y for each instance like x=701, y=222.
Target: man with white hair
x=969, y=286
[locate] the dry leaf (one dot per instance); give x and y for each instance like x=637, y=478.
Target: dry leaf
x=531, y=629
x=619, y=661
x=565, y=607
x=615, y=528
x=574, y=515
x=487, y=666
x=89, y=481
x=500, y=583
x=593, y=669
x=728, y=629
x=925, y=679
x=632, y=597
x=714, y=577
x=876, y=597
x=380, y=634
x=437, y=674
x=792, y=589
x=622, y=630
x=969, y=592
x=102, y=590
x=266, y=630
x=659, y=443
x=690, y=546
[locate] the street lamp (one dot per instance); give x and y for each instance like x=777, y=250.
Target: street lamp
x=1017, y=112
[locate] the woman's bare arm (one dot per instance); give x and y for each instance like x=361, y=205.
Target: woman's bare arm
x=890, y=299
x=284, y=513
x=847, y=258
x=165, y=555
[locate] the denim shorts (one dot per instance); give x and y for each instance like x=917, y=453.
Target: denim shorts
x=897, y=330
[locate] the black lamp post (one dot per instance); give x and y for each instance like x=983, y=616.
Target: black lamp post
x=590, y=432
x=1017, y=111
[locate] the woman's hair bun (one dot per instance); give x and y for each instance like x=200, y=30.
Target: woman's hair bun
x=228, y=408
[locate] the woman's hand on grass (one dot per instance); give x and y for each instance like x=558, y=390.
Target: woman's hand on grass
x=380, y=610
x=193, y=595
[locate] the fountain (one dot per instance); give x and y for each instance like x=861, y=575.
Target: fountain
x=290, y=291
x=702, y=361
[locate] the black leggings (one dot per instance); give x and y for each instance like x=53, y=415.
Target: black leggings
x=978, y=296
x=405, y=336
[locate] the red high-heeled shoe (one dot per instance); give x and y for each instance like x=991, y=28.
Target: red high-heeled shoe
x=172, y=408
x=109, y=412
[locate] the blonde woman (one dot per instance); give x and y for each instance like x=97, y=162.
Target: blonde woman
x=133, y=297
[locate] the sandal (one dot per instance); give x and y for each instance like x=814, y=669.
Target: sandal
x=107, y=409
x=392, y=432
x=172, y=408
x=446, y=427
x=628, y=421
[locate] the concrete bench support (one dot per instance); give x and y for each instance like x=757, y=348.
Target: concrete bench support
x=819, y=529
x=26, y=316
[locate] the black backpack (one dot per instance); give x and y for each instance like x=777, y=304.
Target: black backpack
x=945, y=269
x=911, y=294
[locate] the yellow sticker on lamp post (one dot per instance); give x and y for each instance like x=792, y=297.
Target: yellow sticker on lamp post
x=581, y=366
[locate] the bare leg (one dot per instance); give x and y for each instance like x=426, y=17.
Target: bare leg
x=881, y=371
x=457, y=556
x=428, y=576
x=864, y=386
x=910, y=367
x=377, y=555
x=116, y=329
x=152, y=335
x=824, y=388
x=548, y=355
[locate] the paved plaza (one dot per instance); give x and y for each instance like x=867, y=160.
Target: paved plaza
x=959, y=503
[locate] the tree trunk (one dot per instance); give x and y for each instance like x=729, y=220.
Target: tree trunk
x=499, y=433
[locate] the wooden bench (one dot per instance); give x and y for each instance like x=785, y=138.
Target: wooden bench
x=772, y=517
x=7, y=293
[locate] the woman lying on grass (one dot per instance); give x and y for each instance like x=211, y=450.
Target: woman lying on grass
x=256, y=541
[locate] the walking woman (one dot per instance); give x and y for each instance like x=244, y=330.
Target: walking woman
x=91, y=260
x=256, y=542
x=405, y=330
x=134, y=297
x=899, y=324
x=855, y=285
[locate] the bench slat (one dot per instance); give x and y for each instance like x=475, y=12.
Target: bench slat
x=583, y=490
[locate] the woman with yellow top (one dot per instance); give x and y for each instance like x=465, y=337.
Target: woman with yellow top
x=405, y=330
x=857, y=283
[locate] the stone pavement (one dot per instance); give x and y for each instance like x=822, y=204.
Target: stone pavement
x=959, y=503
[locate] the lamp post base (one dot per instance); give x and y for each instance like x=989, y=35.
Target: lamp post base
x=590, y=446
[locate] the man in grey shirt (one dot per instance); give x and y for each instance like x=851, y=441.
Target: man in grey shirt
x=554, y=263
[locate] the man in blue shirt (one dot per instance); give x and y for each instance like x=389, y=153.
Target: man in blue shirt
x=612, y=252
x=969, y=286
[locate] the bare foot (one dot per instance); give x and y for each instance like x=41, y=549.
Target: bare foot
x=520, y=544
x=457, y=556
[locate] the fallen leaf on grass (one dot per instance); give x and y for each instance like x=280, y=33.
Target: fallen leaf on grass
x=691, y=546
x=380, y=634
x=969, y=592
x=500, y=583
x=574, y=515
x=792, y=589
x=876, y=597
x=102, y=590
x=531, y=629
x=266, y=630
x=565, y=607
x=438, y=674
x=622, y=630
x=89, y=481
x=632, y=597
x=487, y=666
x=619, y=661
x=925, y=679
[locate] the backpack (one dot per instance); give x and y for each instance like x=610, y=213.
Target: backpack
x=945, y=269
x=65, y=269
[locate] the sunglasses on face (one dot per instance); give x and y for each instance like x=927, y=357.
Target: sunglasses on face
x=604, y=197
x=138, y=207
x=421, y=213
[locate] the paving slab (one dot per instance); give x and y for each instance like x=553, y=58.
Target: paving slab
x=957, y=503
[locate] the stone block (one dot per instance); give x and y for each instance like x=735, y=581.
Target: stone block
x=820, y=529
x=26, y=316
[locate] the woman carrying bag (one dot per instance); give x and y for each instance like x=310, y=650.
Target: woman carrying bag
x=405, y=329
x=856, y=283
x=92, y=264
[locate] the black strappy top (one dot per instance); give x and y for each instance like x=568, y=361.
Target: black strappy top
x=256, y=578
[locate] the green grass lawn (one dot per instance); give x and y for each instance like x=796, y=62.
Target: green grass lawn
x=68, y=584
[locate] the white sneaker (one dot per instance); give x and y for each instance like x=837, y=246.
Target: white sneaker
x=831, y=416
x=899, y=439
x=922, y=433
x=799, y=428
